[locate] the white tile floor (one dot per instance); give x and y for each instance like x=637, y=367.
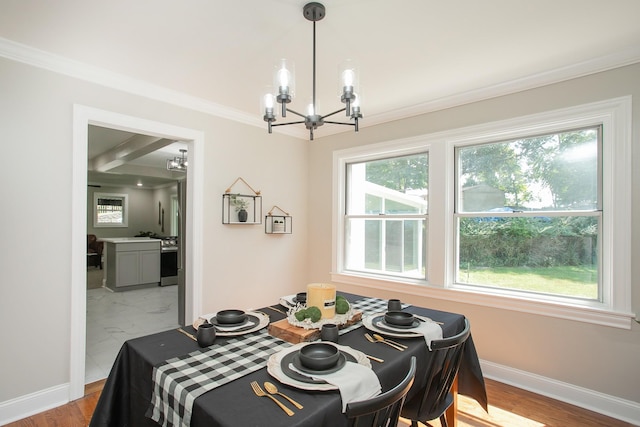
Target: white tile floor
x=114, y=317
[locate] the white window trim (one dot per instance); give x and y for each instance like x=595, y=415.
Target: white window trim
x=614, y=310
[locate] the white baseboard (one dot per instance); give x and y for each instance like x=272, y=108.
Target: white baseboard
x=610, y=406
x=34, y=403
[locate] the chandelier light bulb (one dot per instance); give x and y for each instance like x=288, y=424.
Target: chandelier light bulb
x=348, y=77
x=310, y=110
x=284, y=77
x=268, y=101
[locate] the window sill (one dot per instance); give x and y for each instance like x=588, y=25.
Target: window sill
x=593, y=315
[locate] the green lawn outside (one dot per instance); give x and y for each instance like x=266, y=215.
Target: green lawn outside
x=572, y=281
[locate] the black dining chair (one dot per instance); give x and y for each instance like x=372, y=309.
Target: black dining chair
x=384, y=409
x=435, y=397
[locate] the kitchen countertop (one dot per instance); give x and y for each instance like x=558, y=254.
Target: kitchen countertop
x=128, y=239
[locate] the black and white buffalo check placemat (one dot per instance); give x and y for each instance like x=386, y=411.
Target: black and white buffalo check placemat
x=179, y=381
x=368, y=306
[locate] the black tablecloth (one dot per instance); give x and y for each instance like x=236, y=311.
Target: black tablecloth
x=126, y=395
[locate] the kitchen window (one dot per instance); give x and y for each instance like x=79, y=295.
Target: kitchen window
x=543, y=197
x=110, y=210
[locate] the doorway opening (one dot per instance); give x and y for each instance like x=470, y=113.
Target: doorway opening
x=83, y=117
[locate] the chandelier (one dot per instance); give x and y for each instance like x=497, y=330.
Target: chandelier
x=178, y=164
x=285, y=83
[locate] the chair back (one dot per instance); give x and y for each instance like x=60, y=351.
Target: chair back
x=434, y=398
x=93, y=246
x=384, y=409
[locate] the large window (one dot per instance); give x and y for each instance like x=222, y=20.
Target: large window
x=530, y=214
x=386, y=216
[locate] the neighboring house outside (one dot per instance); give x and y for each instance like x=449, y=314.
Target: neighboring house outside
x=481, y=197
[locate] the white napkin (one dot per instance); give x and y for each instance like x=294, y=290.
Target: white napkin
x=287, y=300
x=355, y=382
x=429, y=329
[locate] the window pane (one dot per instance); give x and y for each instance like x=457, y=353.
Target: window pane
x=386, y=239
x=550, y=255
x=389, y=246
x=110, y=210
x=396, y=185
x=551, y=172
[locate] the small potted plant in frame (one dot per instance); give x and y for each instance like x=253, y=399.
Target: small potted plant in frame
x=241, y=205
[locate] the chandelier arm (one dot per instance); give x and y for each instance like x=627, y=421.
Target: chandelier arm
x=297, y=114
x=340, y=123
x=290, y=123
x=335, y=112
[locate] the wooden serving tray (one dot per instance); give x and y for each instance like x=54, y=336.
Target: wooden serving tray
x=285, y=331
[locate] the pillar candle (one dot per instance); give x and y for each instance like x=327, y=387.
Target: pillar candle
x=323, y=296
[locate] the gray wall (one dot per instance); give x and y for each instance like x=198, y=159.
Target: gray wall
x=143, y=211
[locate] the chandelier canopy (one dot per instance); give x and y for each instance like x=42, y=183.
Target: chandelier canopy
x=284, y=81
x=178, y=164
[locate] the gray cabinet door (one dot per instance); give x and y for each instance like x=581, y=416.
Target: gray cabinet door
x=127, y=268
x=149, y=266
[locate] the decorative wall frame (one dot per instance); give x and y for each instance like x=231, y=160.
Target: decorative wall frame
x=239, y=208
x=278, y=224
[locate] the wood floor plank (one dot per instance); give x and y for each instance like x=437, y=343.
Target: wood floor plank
x=513, y=407
x=508, y=407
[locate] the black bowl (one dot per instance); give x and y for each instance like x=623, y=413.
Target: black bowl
x=301, y=297
x=399, y=318
x=230, y=316
x=319, y=356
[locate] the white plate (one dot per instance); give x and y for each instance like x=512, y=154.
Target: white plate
x=367, y=321
x=274, y=369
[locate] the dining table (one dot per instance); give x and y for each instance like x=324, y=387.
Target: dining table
x=143, y=376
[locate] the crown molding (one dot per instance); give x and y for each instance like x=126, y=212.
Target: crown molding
x=581, y=69
x=100, y=76
x=59, y=64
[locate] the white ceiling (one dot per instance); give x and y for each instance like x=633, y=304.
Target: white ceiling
x=414, y=55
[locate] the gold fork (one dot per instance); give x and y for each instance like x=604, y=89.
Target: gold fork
x=261, y=393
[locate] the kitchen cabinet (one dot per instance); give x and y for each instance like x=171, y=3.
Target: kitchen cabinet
x=132, y=263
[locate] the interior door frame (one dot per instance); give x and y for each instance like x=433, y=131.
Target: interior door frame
x=83, y=116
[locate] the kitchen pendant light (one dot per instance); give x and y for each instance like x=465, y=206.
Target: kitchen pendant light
x=178, y=164
x=284, y=81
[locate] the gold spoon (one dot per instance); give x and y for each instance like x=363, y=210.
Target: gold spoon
x=378, y=338
x=271, y=388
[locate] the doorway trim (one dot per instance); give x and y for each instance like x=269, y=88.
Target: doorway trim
x=83, y=116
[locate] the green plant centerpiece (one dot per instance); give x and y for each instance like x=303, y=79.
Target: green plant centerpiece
x=311, y=317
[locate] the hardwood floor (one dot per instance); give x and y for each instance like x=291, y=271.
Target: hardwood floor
x=509, y=407
x=514, y=407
